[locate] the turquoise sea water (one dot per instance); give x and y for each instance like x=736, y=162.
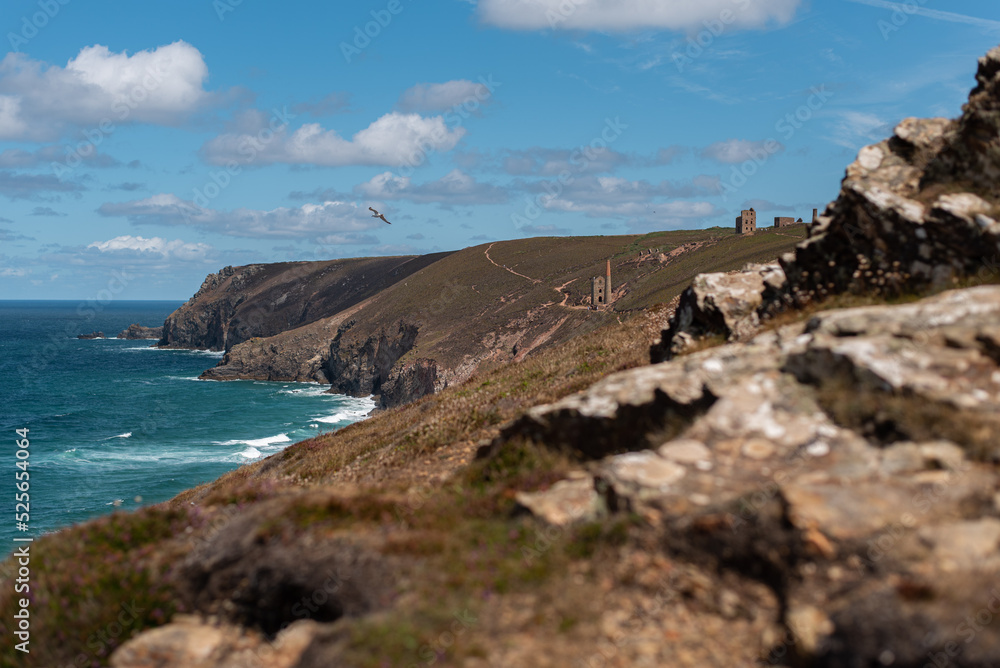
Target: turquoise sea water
x=117, y=422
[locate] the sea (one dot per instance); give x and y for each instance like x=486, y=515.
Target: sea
x=114, y=424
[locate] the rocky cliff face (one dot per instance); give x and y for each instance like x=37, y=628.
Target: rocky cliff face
x=919, y=208
x=916, y=211
x=360, y=368
x=409, y=382
x=241, y=303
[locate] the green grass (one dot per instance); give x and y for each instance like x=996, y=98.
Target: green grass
x=94, y=586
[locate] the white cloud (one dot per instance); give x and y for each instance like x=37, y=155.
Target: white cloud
x=735, y=151
x=624, y=15
x=854, y=129
x=176, y=249
x=393, y=140
x=442, y=96
x=665, y=211
x=39, y=101
x=637, y=202
x=456, y=187
x=13, y=273
x=613, y=191
x=307, y=221
x=552, y=162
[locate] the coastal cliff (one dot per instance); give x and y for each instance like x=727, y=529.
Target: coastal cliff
x=808, y=478
x=240, y=303
x=471, y=310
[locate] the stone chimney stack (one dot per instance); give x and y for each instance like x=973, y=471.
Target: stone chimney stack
x=607, y=285
x=815, y=216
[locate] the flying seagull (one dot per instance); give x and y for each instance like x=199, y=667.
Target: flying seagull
x=376, y=214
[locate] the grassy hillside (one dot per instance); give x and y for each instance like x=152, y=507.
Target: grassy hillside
x=401, y=488
x=499, y=302
x=240, y=303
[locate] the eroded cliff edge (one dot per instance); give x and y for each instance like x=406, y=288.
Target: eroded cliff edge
x=456, y=315
x=259, y=300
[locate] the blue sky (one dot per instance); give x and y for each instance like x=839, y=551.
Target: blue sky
x=144, y=145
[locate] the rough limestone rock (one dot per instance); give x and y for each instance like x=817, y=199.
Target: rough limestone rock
x=137, y=332
x=846, y=462
x=573, y=500
x=193, y=643
x=920, y=209
x=725, y=304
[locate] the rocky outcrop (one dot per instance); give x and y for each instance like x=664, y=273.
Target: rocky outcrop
x=846, y=462
x=137, y=331
x=203, y=321
x=917, y=210
x=355, y=366
x=409, y=382
x=92, y=335
x=192, y=642
x=241, y=576
x=359, y=368
x=720, y=304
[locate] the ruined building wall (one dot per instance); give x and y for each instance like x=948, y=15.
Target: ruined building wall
x=598, y=296
x=746, y=222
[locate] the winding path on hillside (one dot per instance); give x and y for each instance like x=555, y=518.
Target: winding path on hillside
x=506, y=268
x=565, y=296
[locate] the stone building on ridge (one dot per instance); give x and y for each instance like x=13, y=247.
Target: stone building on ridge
x=600, y=289
x=746, y=222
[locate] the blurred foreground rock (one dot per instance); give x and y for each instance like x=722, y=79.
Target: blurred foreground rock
x=847, y=462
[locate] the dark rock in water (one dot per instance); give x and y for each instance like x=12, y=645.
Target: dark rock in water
x=920, y=209
x=137, y=331
x=92, y=335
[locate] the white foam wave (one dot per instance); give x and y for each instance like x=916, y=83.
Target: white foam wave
x=219, y=354
x=250, y=453
x=308, y=391
x=355, y=410
x=127, y=434
x=257, y=442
